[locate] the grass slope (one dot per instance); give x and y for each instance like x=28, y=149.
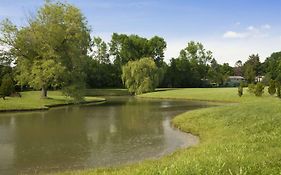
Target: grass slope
x=31, y=101
x=241, y=138
x=204, y=94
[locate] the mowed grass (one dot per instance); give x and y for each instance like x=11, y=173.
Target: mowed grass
x=205, y=94
x=31, y=101
x=237, y=138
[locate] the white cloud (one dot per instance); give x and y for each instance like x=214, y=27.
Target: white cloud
x=232, y=34
x=251, y=28
x=231, y=51
x=266, y=26
x=249, y=32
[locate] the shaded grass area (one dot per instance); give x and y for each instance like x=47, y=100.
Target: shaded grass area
x=107, y=92
x=241, y=138
x=31, y=101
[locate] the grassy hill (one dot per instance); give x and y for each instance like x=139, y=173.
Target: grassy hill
x=235, y=138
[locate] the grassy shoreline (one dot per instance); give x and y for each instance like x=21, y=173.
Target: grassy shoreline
x=31, y=101
x=242, y=138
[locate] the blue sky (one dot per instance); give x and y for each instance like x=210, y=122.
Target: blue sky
x=231, y=29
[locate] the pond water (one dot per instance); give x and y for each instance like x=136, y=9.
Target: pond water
x=122, y=130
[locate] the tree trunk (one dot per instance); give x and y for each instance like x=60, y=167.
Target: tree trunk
x=44, y=92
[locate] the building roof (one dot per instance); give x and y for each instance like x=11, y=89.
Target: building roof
x=236, y=77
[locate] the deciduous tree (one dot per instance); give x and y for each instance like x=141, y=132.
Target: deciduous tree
x=140, y=76
x=51, y=50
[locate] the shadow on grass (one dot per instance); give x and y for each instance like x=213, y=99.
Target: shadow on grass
x=107, y=92
x=165, y=89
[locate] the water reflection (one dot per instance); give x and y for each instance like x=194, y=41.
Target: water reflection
x=120, y=131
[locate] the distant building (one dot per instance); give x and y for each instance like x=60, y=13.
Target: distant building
x=259, y=78
x=234, y=80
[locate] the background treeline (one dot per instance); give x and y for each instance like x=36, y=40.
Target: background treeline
x=106, y=59
x=194, y=67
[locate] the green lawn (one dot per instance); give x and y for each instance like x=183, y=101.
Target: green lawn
x=237, y=138
x=205, y=94
x=31, y=101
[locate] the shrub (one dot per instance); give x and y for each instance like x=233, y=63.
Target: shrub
x=272, y=87
x=240, y=89
x=76, y=91
x=259, y=89
x=7, y=86
x=251, y=88
x=278, y=87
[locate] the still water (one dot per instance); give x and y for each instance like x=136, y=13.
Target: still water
x=122, y=130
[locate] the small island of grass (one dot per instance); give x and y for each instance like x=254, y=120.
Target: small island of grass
x=29, y=101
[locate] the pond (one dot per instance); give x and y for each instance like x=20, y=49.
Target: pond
x=123, y=130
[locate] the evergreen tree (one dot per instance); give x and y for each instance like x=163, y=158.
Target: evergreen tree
x=7, y=86
x=240, y=89
x=272, y=87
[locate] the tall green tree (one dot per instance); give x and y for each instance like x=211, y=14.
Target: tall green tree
x=249, y=73
x=124, y=48
x=198, y=57
x=218, y=73
x=254, y=60
x=252, y=68
x=238, y=68
x=100, y=51
x=272, y=65
x=102, y=75
x=190, y=68
x=140, y=76
x=51, y=50
x=157, y=46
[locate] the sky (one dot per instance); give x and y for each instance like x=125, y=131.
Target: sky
x=231, y=29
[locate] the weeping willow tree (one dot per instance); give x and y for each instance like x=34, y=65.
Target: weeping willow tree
x=140, y=76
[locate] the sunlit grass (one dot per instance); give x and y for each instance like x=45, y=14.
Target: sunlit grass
x=31, y=100
x=206, y=94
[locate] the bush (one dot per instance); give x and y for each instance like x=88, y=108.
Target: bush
x=272, y=87
x=7, y=86
x=278, y=87
x=76, y=91
x=240, y=89
x=259, y=89
x=251, y=88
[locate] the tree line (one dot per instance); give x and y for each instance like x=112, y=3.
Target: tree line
x=55, y=50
